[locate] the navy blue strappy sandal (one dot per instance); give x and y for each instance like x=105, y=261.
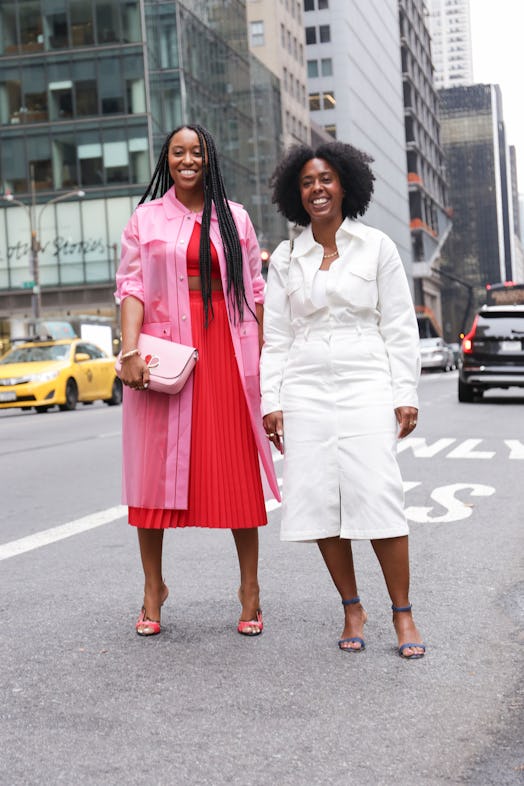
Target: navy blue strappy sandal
x=357, y=639
x=414, y=655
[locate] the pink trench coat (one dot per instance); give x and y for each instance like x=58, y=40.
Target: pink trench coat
x=157, y=426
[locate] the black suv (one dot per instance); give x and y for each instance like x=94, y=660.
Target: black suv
x=492, y=353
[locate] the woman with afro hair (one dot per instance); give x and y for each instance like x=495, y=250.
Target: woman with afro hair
x=339, y=372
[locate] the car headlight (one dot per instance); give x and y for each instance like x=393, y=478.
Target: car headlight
x=44, y=376
x=14, y=380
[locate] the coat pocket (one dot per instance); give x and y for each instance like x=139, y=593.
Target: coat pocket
x=249, y=347
x=157, y=329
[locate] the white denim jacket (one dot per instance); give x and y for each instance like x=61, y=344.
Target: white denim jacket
x=366, y=289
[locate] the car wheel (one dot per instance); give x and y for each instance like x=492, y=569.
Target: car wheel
x=465, y=392
x=71, y=395
x=116, y=394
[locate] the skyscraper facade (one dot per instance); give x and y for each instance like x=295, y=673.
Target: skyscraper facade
x=429, y=217
x=450, y=29
x=355, y=93
x=88, y=91
x=480, y=249
x=276, y=37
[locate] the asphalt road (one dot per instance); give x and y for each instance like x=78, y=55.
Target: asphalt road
x=86, y=701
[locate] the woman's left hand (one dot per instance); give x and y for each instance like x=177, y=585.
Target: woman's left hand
x=407, y=420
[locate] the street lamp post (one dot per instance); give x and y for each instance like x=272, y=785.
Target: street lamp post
x=34, y=228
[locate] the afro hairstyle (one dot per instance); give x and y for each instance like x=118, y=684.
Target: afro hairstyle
x=351, y=165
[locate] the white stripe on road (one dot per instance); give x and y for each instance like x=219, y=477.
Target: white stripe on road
x=47, y=536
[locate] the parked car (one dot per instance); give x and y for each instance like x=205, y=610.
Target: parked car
x=492, y=353
x=455, y=348
x=42, y=374
x=435, y=353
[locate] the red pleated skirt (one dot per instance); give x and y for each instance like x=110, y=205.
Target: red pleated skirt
x=225, y=488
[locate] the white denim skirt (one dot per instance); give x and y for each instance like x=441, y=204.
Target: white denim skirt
x=341, y=476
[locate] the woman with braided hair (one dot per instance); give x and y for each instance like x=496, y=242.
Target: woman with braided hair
x=190, y=272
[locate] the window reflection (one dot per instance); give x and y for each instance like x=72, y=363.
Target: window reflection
x=107, y=18
x=81, y=16
x=64, y=162
x=8, y=28
x=10, y=97
x=55, y=30
x=30, y=20
x=86, y=97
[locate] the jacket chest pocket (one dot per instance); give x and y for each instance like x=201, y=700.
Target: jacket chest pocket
x=359, y=288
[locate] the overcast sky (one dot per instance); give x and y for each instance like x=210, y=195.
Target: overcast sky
x=497, y=39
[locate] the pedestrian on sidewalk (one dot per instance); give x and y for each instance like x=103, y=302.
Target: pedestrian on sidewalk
x=339, y=371
x=190, y=272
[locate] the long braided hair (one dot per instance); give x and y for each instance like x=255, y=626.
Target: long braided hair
x=214, y=193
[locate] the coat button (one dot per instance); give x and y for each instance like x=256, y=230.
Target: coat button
x=181, y=278
x=184, y=317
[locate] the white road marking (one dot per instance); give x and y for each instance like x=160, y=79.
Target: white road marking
x=47, y=536
x=467, y=451
x=516, y=448
x=456, y=510
x=443, y=495
x=420, y=447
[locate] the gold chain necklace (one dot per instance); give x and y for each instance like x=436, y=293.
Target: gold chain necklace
x=328, y=256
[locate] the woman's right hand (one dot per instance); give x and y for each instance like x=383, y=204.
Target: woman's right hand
x=135, y=373
x=274, y=428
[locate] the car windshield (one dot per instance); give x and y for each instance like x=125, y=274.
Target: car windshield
x=496, y=325
x=37, y=353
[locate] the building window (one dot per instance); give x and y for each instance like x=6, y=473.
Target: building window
x=31, y=34
x=314, y=102
x=332, y=130
x=55, y=29
x=10, y=97
x=311, y=35
x=312, y=69
x=326, y=65
x=322, y=4
x=309, y=5
x=329, y=100
x=108, y=21
x=81, y=23
x=60, y=100
x=324, y=34
x=86, y=97
x=256, y=30
x=283, y=35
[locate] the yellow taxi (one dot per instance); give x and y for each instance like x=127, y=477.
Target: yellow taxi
x=44, y=373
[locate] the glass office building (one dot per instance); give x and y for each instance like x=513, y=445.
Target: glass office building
x=88, y=91
x=480, y=248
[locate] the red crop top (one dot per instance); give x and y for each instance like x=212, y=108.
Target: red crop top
x=193, y=255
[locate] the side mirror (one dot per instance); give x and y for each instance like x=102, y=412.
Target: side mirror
x=81, y=357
